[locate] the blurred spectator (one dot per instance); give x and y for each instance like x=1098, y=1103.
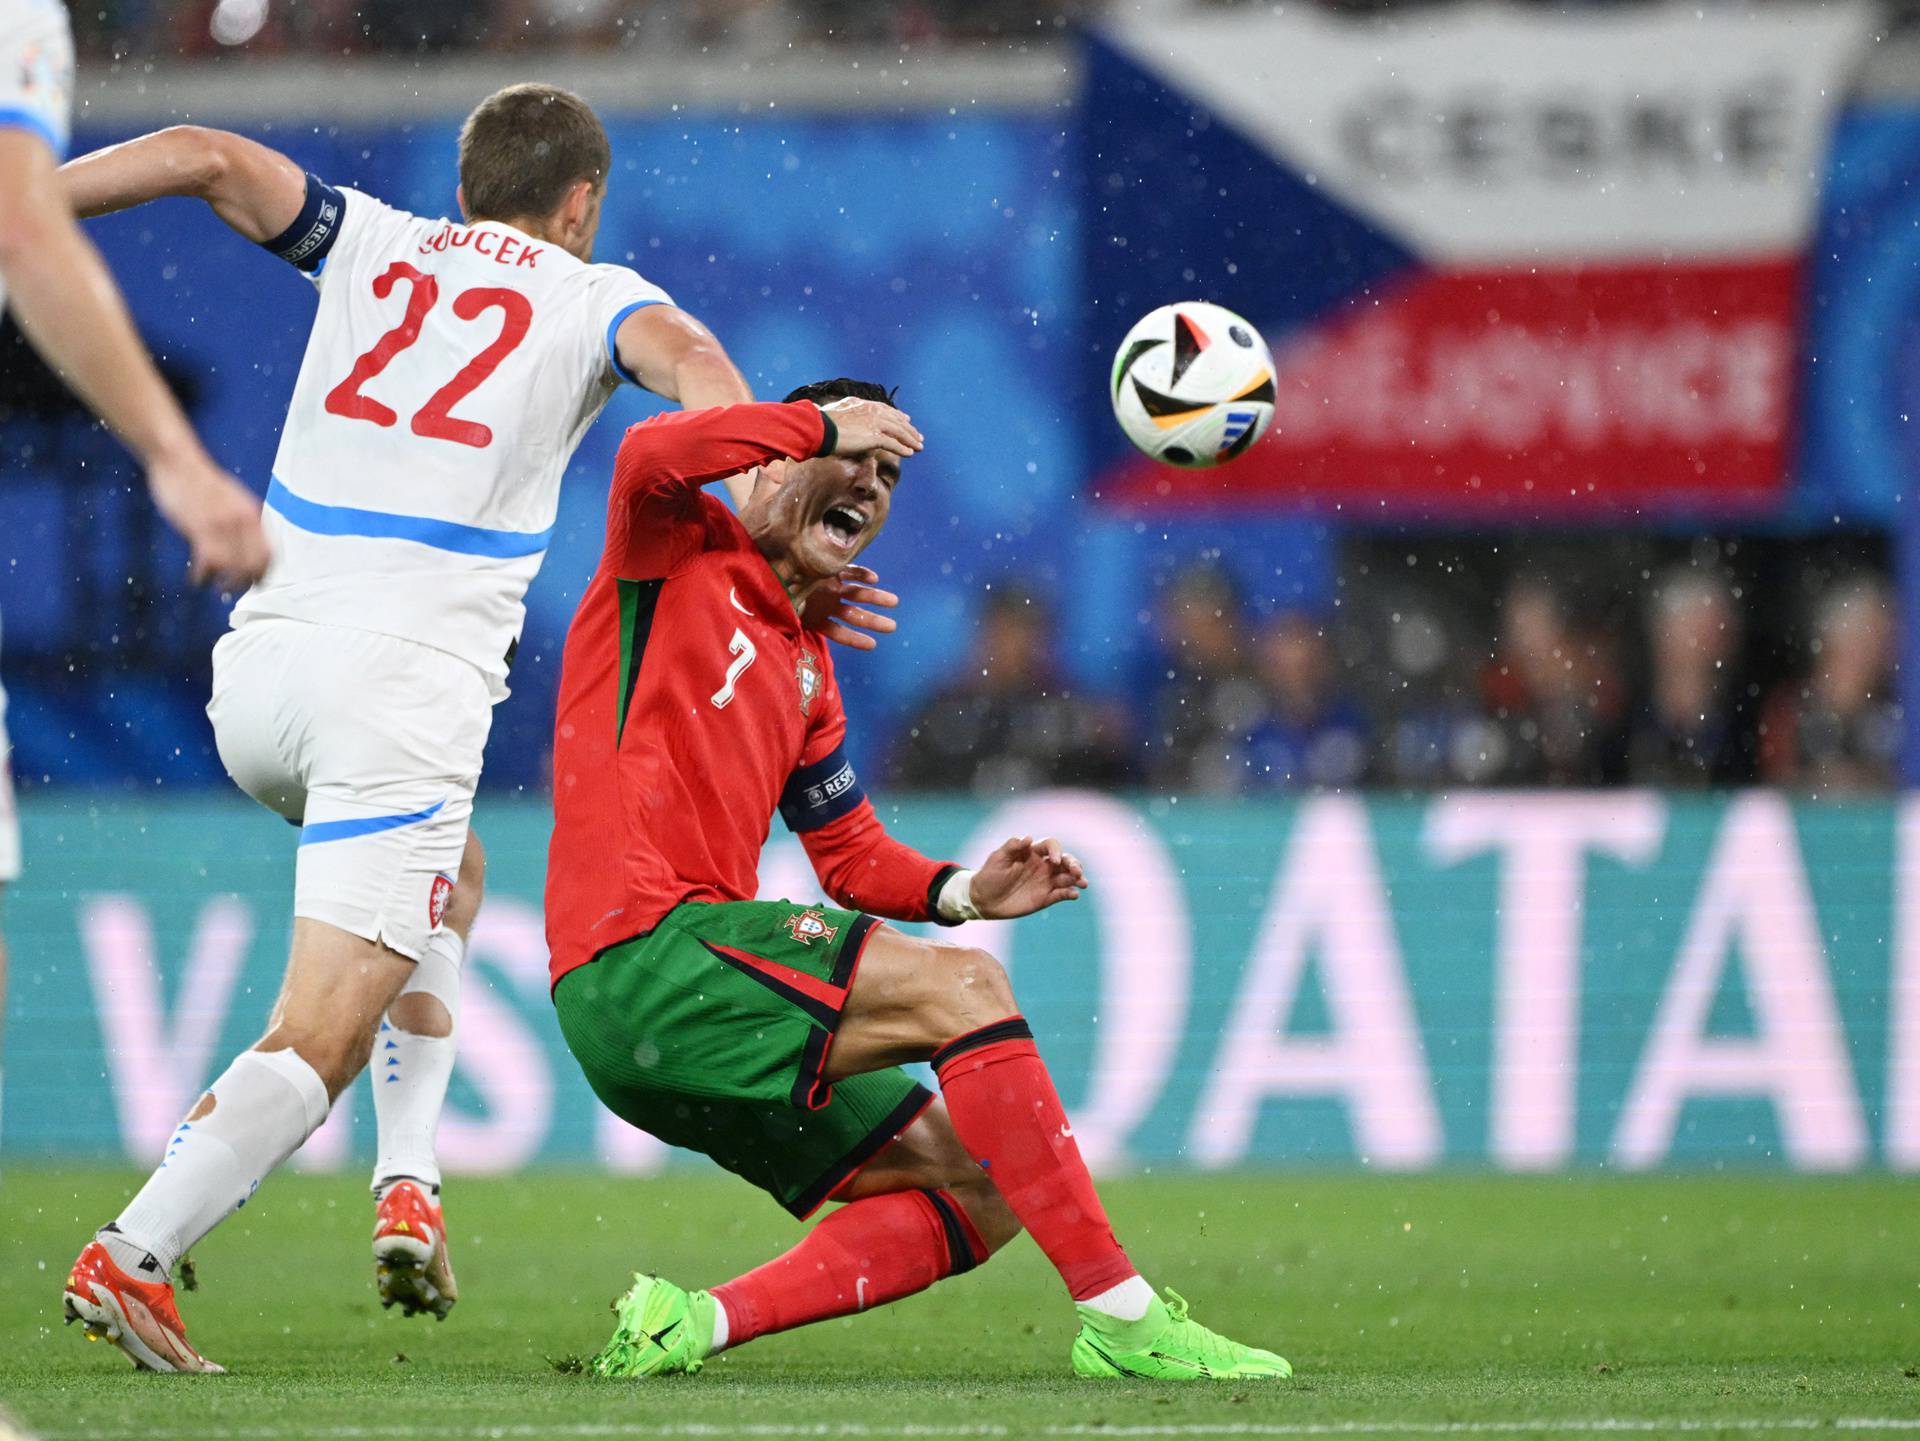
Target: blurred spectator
x=1838, y=729
x=1310, y=733
x=1554, y=698
x=1426, y=717
x=1685, y=731
x=1008, y=724
x=1208, y=699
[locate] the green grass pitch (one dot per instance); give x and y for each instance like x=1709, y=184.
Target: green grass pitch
x=1427, y=1306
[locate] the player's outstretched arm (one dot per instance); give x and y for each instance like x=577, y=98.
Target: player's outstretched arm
x=674, y=355
x=1025, y=876
x=254, y=189
x=69, y=307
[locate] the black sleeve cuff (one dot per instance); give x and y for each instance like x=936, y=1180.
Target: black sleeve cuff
x=940, y=879
x=829, y=434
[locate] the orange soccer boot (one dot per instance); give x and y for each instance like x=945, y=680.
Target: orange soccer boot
x=139, y=1317
x=410, y=1252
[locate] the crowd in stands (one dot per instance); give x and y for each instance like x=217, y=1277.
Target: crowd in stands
x=143, y=28
x=193, y=28
x=1668, y=684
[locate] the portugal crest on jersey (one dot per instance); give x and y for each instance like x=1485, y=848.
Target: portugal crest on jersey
x=807, y=927
x=806, y=675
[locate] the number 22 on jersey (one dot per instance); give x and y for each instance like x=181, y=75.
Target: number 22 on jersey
x=434, y=420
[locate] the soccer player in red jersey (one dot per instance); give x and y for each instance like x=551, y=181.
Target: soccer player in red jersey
x=694, y=703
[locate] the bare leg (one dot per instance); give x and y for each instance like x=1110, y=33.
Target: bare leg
x=928, y=1155
x=336, y=988
x=273, y=1096
x=910, y=997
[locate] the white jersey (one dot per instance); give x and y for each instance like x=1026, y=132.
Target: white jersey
x=451, y=373
x=36, y=76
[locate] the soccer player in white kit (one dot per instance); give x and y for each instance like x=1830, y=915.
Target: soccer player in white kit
x=452, y=370
x=66, y=302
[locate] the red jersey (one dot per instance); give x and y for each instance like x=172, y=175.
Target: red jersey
x=694, y=703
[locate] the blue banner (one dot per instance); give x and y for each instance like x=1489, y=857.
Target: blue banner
x=1509, y=980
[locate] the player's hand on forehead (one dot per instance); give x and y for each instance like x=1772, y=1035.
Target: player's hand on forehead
x=868, y=425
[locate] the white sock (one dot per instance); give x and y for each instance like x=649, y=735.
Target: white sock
x=1126, y=1302
x=721, y=1330
x=410, y=1073
x=265, y=1105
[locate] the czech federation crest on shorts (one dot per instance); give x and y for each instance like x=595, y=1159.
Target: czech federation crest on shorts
x=806, y=675
x=807, y=927
x=437, y=901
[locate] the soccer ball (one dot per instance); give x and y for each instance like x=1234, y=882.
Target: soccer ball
x=1193, y=385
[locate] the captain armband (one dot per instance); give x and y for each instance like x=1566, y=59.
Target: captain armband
x=821, y=793
x=305, y=243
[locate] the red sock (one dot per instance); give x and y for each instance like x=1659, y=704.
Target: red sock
x=863, y=1255
x=1009, y=1118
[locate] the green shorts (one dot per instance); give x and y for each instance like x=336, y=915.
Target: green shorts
x=711, y=1032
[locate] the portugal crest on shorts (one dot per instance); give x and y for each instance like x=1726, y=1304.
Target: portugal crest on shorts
x=807, y=927
x=806, y=675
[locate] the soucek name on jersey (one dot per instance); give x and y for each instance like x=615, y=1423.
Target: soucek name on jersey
x=694, y=703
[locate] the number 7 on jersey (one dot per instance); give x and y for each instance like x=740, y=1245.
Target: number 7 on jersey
x=743, y=654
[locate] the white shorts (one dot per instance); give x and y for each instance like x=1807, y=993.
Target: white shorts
x=9, y=815
x=369, y=743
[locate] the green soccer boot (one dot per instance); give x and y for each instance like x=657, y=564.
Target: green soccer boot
x=660, y=1330
x=1164, y=1345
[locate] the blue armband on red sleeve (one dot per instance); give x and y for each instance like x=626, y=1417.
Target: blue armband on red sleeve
x=821, y=793
x=305, y=243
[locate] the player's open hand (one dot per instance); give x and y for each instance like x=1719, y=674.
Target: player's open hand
x=218, y=516
x=1025, y=876
x=838, y=608
x=866, y=425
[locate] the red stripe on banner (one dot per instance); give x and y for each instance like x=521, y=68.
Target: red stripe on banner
x=1554, y=390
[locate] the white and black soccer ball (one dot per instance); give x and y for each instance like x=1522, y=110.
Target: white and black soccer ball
x=1193, y=385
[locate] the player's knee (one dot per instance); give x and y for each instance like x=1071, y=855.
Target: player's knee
x=336, y=1057
x=336, y=1047
x=420, y=1013
x=969, y=989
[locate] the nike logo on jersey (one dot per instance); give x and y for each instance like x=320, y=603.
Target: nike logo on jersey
x=734, y=601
